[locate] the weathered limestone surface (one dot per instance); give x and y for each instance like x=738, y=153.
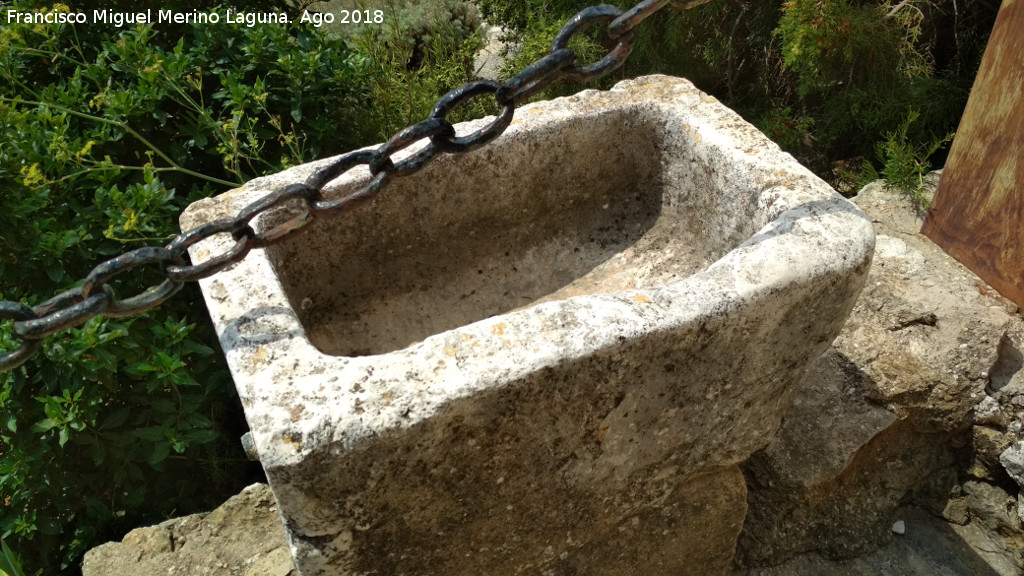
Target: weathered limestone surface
x=915, y=402
x=829, y=485
x=243, y=537
x=509, y=358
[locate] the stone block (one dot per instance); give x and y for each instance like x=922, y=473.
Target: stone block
x=928, y=351
x=243, y=536
x=507, y=359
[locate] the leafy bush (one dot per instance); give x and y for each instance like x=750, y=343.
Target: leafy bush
x=906, y=163
x=106, y=134
x=828, y=79
x=420, y=52
x=10, y=563
x=103, y=144
x=832, y=44
x=536, y=42
x=518, y=15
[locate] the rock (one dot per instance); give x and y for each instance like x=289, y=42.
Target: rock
x=243, y=537
x=992, y=507
x=929, y=548
x=818, y=485
x=1012, y=460
x=150, y=541
x=930, y=360
x=989, y=413
x=926, y=331
x=995, y=527
x=1007, y=375
x=1003, y=559
x=956, y=511
x=568, y=336
x=937, y=490
x=988, y=444
x=849, y=514
x=695, y=532
x=828, y=420
x=491, y=58
x=277, y=562
x=877, y=418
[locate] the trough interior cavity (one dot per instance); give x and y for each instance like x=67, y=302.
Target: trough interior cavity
x=581, y=207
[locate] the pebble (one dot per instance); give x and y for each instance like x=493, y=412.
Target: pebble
x=899, y=527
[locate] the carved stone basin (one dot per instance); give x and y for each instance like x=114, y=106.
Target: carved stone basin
x=547, y=356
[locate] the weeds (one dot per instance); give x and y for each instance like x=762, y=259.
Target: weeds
x=905, y=164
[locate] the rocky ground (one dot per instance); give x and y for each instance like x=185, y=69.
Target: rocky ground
x=243, y=537
x=902, y=453
x=918, y=404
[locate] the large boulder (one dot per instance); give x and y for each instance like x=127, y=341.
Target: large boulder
x=924, y=376
x=243, y=537
x=920, y=401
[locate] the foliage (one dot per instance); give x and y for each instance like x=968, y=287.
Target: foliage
x=106, y=134
x=831, y=44
x=10, y=563
x=409, y=68
x=906, y=163
x=828, y=79
x=536, y=42
x=518, y=15
x=450, y=22
x=789, y=131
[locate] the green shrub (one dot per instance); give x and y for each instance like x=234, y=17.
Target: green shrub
x=905, y=162
x=518, y=15
x=827, y=79
x=106, y=134
x=10, y=563
x=419, y=53
x=834, y=44
x=536, y=42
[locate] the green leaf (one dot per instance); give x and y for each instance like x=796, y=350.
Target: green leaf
x=11, y=422
x=55, y=271
x=98, y=452
x=139, y=368
x=201, y=436
x=116, y=419
x=164, y=406
x=190, y=346
x=52, y=408
x=135, y=473
x=159, y=454
x=43, y=425
x=152, y=434
x=9, y=562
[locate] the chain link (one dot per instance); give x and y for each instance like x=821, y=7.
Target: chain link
x=96, y=297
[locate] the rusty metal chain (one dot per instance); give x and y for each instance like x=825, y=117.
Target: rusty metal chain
x=96, y=297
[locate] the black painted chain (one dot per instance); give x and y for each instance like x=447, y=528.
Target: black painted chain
x=96, y=297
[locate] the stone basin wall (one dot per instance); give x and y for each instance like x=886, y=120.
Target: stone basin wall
x=543, y=354
x=900, y=455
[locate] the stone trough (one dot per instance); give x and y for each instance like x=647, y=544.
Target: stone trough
x=547, y=356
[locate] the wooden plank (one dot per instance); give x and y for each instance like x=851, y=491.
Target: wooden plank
x=977, y=215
